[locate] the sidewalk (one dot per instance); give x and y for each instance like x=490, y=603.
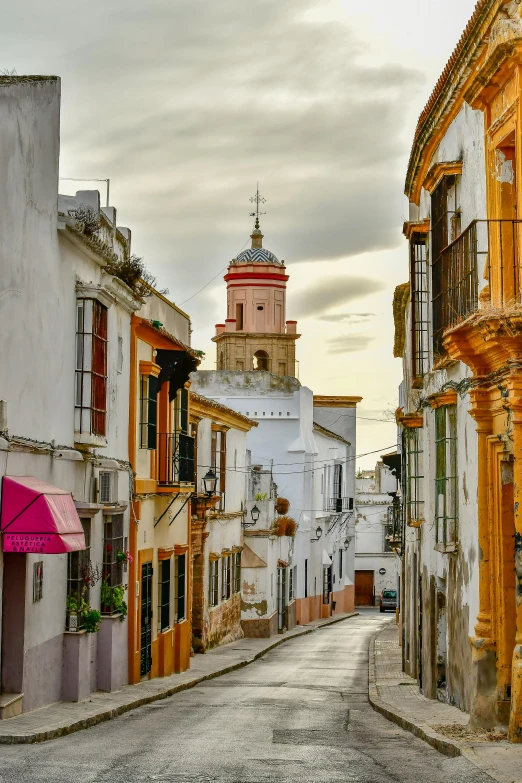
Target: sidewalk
x=396, y=696
x=67, y=717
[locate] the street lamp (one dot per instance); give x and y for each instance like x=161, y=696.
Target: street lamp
x=210, y=482
x=348, y=540
x=318, y=534
x=255, y=513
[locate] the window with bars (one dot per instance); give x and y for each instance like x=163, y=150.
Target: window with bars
x=148, y=411
x=388, y=531
x=164, y=595
x=341, y=553
x=226, y=585
x=78, y=581
x=306, y=578
x=90, y=414
x=290, y=584
x=237, y=572
x=414, y=499
x=218, y=460
x=180, y=588
x=445, y=227
x=327, y=584
x=112, y=574
x=446, y=478
x=214, y=582
x=420, y=305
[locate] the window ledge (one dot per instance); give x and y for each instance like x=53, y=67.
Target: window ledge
x=88, y=439
x=446, y=549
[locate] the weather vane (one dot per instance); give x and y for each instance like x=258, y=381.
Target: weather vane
x=257, y=200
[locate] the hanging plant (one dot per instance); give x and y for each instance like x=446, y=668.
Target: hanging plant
x=282, y=505
x=284, y=526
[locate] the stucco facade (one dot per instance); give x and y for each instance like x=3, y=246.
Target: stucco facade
x=457, y=332
x=54, y=282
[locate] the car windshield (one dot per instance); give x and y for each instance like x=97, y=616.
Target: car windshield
x=389, y=594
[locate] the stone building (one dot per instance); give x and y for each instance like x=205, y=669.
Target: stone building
x=220, y=436
x=458, y=333
x=256, y=334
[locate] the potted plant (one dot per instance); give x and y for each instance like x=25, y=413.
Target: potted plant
x=112, y=600
x=124, y=556
x=91, y=619
x=282, y=505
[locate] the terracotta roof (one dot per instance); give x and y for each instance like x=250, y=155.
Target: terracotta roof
x=223, y=408
x=165, y=333
x=480, y=6
x=400, y=300
x=452, y=71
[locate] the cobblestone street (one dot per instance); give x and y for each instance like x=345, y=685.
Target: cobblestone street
x=300, y=713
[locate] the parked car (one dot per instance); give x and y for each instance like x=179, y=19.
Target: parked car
x=388, y=600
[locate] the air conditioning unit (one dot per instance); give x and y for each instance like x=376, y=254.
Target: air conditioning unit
x=108, y=486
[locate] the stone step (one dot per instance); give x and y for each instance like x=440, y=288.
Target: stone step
x=10, y=705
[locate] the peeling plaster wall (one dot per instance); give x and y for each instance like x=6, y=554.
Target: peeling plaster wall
x=456, y=574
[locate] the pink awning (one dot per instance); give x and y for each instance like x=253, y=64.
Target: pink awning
x=37, y=517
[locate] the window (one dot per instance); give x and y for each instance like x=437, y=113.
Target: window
x=419, y=308
x=38, y=580
x=214, y=582
x=237, y=572
x=306, y=579
x=387, y=536
x=239, y=317
x=194, y=436
x=164, y=595
x=290, y=584
x=112, y=573
x=179, y=597
x=341, y=553
x=261, y=361
x=91, y=367
x=218, y=460
x=446, y=510
x=79, y=579
x=183, y=446
x=445, y=206
x=414, y=477
x=226, y=576
x=148, y=411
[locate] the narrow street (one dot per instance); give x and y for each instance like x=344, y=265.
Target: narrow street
x=301, y=713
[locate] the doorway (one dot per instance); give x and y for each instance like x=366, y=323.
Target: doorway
x=281, y=599
x=13, y=622
x=364, y=589
x=146, y=619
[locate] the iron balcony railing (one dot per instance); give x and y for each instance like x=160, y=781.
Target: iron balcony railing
x=339, y=504
x=175, y=458
x=486, y=250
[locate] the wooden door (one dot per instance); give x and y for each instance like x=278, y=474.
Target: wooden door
x=364, y=588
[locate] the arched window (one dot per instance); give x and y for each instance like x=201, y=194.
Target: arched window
x=261, y=359
x=221, y=360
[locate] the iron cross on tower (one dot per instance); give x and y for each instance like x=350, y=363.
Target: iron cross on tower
x=257, y=200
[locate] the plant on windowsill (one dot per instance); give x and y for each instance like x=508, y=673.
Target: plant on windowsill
x=91, y=620
x=112, y=600
x=282, y=506
x=124, y=556
x=284, y=526
x=260, y=496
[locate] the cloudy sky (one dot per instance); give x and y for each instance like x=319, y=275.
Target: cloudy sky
x=185, y=104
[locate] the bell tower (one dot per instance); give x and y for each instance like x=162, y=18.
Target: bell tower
x=256, y=334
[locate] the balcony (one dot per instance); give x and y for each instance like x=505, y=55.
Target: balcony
x=339, y=504
x=487, y=249
x=175, y=459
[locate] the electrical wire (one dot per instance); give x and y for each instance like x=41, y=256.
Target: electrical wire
x=212, y=280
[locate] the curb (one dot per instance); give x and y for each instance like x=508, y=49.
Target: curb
x=94, y=720
x=445, y=746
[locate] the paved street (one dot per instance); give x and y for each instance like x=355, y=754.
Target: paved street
x=301, y=713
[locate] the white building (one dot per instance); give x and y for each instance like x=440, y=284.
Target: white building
x=376, y=562
x=64, y=350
